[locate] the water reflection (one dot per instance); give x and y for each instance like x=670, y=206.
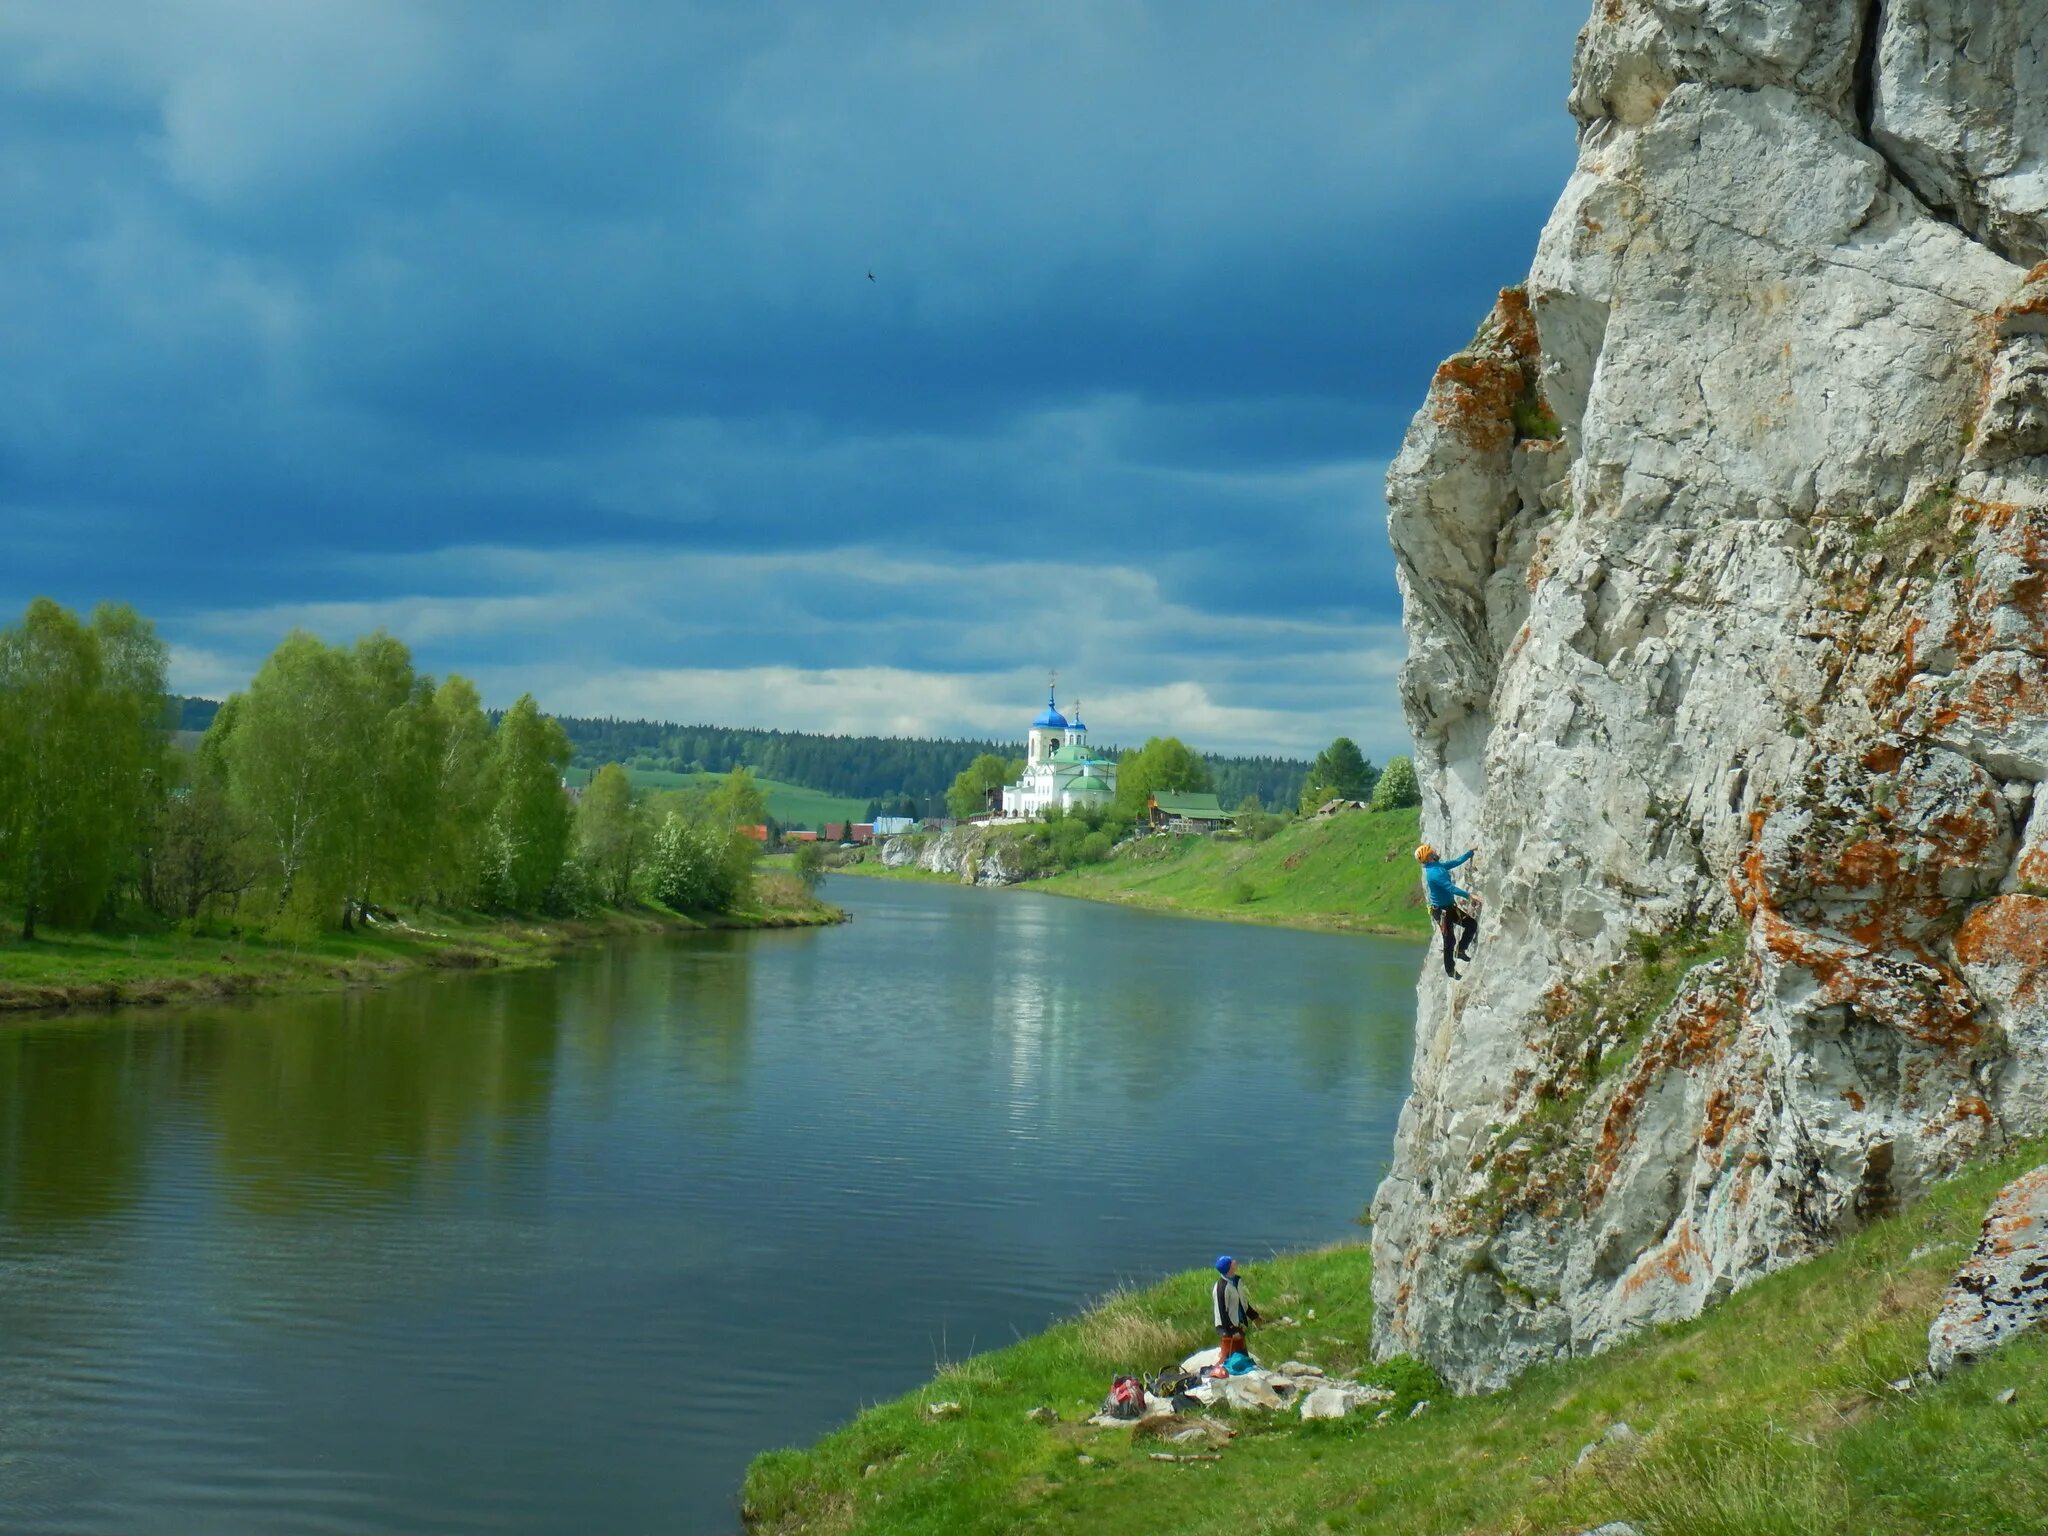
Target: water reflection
x=371, y=1094
x=560, y=1250
x=74, y=1119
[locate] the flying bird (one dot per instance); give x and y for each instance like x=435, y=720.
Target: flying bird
x=871, y=277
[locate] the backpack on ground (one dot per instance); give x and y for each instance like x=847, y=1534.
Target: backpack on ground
x=1126, y=1398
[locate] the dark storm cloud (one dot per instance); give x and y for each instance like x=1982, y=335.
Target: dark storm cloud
x=463, y=317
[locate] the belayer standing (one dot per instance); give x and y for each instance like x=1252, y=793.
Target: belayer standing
x=1457, y=925
x=1233, y=1313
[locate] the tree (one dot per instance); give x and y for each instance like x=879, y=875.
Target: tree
x=738, y=802
x=609, y=833
x=1165, y=763
x=1340, y=772
x=391, y=826
x=200, y=851
x=970, y=791
x=81, y=755
x=1255, y=821
x=694, y=867
x=294, y=746
x=465, y=792
x=810, y=866
x=1396, y=787
x=531, y=821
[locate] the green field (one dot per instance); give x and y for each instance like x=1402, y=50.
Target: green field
x=1356, y=871
x=790, y=804
x=1773, y=1415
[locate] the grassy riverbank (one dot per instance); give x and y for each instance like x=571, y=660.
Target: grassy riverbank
x=1771, y=1416
x=94, y=969
x=1354, y=872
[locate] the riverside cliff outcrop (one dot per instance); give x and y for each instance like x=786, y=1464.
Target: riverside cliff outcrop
x=1724, y=554
x=972, y=855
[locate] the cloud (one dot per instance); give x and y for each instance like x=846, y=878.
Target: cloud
x=983, y=634
x=468, y=320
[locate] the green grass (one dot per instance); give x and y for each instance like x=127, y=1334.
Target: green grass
x=1770, y=1416
x=870, y=867
x=1355, y=871
x=68, y=968
x=791, y=804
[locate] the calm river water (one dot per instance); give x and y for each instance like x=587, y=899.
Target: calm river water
x=560, y=1250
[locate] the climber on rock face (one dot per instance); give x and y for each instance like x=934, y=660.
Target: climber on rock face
x=1456, y=925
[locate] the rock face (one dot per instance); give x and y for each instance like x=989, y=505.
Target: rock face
x=973, y=855
x=1722, y=550
x=2002, y=1289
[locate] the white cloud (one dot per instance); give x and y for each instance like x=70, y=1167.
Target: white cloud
x=971, y=645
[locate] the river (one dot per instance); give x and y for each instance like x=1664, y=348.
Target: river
x=562, y=1249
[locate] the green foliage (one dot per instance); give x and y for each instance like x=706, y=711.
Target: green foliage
x=199, y=851
x=1240, y=892
x=699, y=867
x=464, y=794
x=338, y=783
x=293, y=750
x=809, y=863
x=1064, y=840
x=1396, y=789
x=1340, y=771
x=1535, y=420
x=531, y=821
x=738, y=802
x=1255, y=823
x=610, y=835
x=1163, y=763
x=969, y=793
x=81, y=757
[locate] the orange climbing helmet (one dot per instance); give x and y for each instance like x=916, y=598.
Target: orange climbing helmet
x=1425, y=854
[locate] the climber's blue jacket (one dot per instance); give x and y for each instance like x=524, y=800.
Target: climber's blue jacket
x=1443, y=890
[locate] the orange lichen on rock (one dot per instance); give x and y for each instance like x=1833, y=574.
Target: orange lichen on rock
x=1670, y=1261
x=1474, y=394
x=2027, y=310
x=2012, y=930
x=1693, y=1034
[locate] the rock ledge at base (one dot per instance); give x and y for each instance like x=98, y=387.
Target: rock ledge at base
x=2002, y=1289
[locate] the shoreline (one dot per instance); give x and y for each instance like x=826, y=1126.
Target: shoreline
x=1069, y=885
x=1818, y=1343
x=110, y=971
x=1304, y=922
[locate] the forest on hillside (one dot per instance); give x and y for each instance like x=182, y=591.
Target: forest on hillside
x=875, y=768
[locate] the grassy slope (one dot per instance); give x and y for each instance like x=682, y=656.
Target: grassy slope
x=790, y=804
x=66, y=969
x=1355, y=871
x=1770, y=1416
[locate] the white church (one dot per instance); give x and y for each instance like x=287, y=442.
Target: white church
x=1059, y=768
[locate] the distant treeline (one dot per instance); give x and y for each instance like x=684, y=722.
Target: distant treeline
x=340, y=782
x=859, y=767
x=896, y=771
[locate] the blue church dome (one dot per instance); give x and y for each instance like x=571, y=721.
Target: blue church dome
x=1052, y=719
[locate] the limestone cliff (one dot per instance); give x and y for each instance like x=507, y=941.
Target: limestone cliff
x=974, y=855
x=1722, y=549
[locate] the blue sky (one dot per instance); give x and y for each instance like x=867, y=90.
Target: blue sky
x=542, y=336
